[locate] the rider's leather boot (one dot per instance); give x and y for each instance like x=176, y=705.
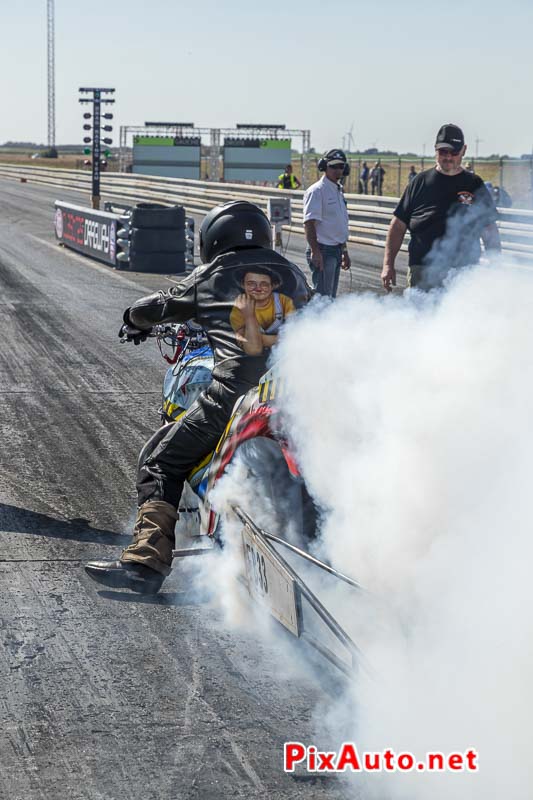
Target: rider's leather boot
x=144, y=564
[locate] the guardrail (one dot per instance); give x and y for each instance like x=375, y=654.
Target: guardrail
x=369, y=215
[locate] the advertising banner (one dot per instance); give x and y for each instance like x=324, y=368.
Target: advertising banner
x=167, y=156
x=258, y=160
x=87, y=231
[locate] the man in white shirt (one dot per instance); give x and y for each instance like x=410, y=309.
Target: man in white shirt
x=326, y=224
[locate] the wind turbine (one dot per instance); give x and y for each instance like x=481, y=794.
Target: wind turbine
x=350, y=139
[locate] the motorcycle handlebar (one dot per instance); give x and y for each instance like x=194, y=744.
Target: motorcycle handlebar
x=180, y=330
x=180, y=336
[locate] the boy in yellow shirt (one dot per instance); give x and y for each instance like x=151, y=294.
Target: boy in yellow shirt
x=259, y=311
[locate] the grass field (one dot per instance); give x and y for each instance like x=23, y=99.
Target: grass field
x=67, y=161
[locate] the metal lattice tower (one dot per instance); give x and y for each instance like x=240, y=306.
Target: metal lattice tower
x=51, y=75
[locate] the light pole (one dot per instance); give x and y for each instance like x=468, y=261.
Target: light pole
x=51, y=75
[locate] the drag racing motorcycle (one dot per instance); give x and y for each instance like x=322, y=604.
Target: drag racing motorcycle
x=253, y=436
x=254, y=440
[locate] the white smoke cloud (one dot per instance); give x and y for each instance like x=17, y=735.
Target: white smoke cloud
x=223, y=575
x=412, y=420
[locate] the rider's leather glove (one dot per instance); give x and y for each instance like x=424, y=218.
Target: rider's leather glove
x=130, y=334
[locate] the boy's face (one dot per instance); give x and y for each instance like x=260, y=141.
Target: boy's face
x=258, y=287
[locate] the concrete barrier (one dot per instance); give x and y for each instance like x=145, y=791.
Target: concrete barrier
x=369, y=215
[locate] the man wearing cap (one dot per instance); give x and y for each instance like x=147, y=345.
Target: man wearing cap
x=447, y=211
x=326, y=224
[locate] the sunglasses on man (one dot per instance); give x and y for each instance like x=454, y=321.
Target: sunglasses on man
x=336, y=166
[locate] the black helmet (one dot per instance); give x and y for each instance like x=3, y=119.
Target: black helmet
x=232, y=225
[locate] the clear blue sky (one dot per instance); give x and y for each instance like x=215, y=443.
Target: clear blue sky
x=396, y=70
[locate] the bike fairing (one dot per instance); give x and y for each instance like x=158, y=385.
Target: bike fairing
x=185, y=381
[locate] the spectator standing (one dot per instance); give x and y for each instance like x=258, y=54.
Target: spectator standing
x=502, y=198
x=447, y=209
x=326, y=224
x=365, y=172
x=412, y=173
x=287, y=180
x=377, y=174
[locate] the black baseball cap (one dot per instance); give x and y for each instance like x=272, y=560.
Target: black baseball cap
x=334, y=157
x=450, y=136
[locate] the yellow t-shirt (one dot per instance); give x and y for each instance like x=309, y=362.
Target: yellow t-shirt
x=264, y=316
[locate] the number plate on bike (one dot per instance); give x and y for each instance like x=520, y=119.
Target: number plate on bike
x=269, y=581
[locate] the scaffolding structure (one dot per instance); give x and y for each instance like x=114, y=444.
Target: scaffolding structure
x=216, y=135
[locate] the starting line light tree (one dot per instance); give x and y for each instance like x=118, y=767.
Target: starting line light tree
x=97, y=100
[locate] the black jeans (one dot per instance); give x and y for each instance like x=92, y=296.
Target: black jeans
x=172, y=452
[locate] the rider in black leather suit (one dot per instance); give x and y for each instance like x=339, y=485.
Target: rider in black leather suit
x=235, y=239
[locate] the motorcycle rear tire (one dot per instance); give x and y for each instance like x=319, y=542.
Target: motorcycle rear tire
x=294, y=515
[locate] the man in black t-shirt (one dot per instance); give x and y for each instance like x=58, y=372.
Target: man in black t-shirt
x=447, y=211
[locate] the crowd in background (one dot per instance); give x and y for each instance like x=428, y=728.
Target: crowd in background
x=371, y=181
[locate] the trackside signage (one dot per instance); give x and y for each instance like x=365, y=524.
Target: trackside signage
x=87, y=231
